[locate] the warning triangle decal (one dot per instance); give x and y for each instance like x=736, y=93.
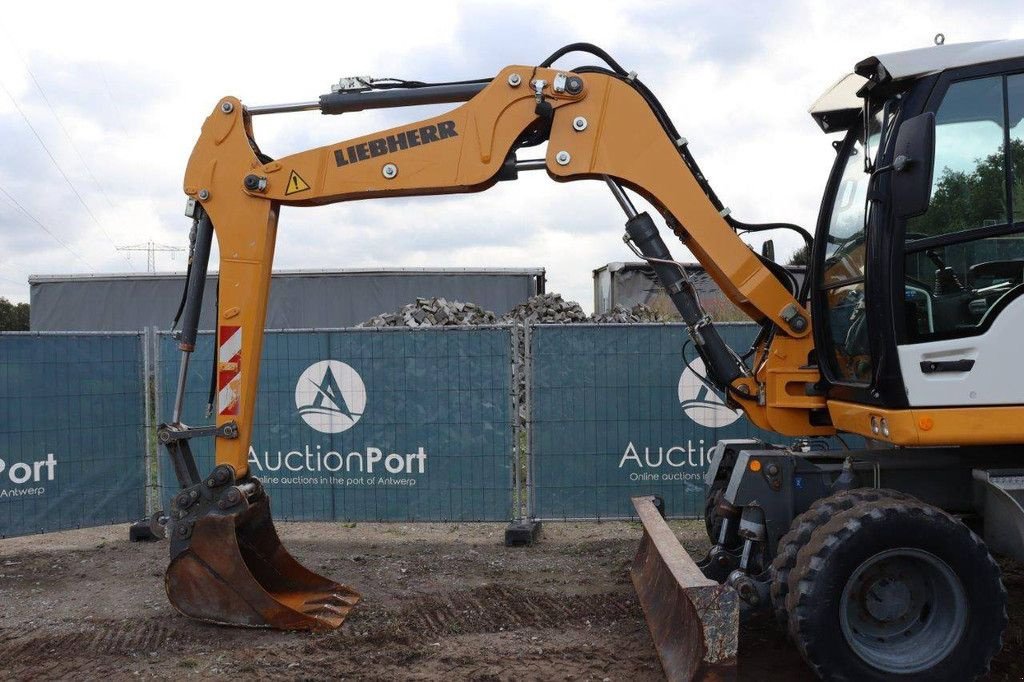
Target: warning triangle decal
x=295, y=184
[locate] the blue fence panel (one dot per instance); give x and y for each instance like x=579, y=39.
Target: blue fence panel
x=361, y=425
x=616, y=412
x=72, y=439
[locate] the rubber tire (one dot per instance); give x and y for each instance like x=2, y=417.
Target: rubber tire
x=838, y=547
x=800, y=530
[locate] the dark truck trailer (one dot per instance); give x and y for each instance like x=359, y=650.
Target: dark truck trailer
x=299, y=299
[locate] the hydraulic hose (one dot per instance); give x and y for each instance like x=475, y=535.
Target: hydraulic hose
x=196, y=284
x=721, y=364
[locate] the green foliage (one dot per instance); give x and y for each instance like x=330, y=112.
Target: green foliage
x=13, y=316
x=801, y=256
x=964, y=200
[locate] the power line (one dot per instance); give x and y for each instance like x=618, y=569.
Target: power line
x=71, y=141
x=57, y=165
x=45, y=228
x=74, y=146
x=113, y=102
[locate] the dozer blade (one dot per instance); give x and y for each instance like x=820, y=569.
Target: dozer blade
x=694, y=621
x=228, y=566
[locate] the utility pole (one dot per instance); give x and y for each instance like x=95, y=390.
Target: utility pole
x=151, y=249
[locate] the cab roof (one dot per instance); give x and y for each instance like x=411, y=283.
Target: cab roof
x=839, y=107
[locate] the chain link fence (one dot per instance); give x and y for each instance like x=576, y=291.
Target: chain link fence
x=72, y=431
x=616, y=411
x=461, y=423
x=375, y=424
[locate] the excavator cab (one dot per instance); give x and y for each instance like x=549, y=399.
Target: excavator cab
x=918, y=251
x=864, y=553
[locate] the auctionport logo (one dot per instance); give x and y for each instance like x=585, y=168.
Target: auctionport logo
x=330, y=396
x=19, y=473
x=700, y=402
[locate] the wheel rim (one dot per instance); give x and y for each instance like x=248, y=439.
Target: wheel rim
x=903, y=610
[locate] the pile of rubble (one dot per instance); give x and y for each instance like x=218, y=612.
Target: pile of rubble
x=434, y=312
x=546, y=309
x=619, y=315
x=540, y=309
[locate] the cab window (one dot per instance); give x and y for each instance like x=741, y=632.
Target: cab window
x=965, y=254
x=843, y=272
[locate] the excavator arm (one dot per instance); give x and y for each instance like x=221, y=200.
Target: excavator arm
x=227, y=564
x=603, y=131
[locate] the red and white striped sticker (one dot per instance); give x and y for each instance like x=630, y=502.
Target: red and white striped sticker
x=229, y=381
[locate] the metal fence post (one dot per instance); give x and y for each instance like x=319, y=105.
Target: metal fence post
x=528, y=416
x=517, y=427
x=524, y=529
x=157, y=409
x=147, y=402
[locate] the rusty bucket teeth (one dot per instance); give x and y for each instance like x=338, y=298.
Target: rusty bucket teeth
x=233, y=570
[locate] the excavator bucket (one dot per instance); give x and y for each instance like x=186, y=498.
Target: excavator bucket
x=228, y=566
x=694, y=621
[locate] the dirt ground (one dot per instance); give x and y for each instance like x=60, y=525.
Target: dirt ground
x=440, y=602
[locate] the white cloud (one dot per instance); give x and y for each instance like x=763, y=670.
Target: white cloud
x=132, y=82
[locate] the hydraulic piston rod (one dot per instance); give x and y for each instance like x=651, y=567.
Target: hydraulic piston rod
x=721, y=364
x=345, y=101
x=193, y=305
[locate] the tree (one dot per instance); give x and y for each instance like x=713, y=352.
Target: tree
x=964, y=200
x=13, y=316
x=801, y=256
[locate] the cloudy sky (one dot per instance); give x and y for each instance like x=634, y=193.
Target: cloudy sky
x=100, y=105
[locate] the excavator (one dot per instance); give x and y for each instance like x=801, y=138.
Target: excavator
x=899, y=345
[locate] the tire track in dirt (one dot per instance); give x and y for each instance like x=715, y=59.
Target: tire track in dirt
x=487, y=609
x=522, y=632
x=97, y=648
x=501, y=607
x=27, y=654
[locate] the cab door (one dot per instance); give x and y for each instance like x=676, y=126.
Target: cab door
x=961, y=339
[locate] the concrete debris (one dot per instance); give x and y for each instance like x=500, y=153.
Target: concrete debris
x=540, y=309
x=546, y=309
x=637, y=314
x=434, y=312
